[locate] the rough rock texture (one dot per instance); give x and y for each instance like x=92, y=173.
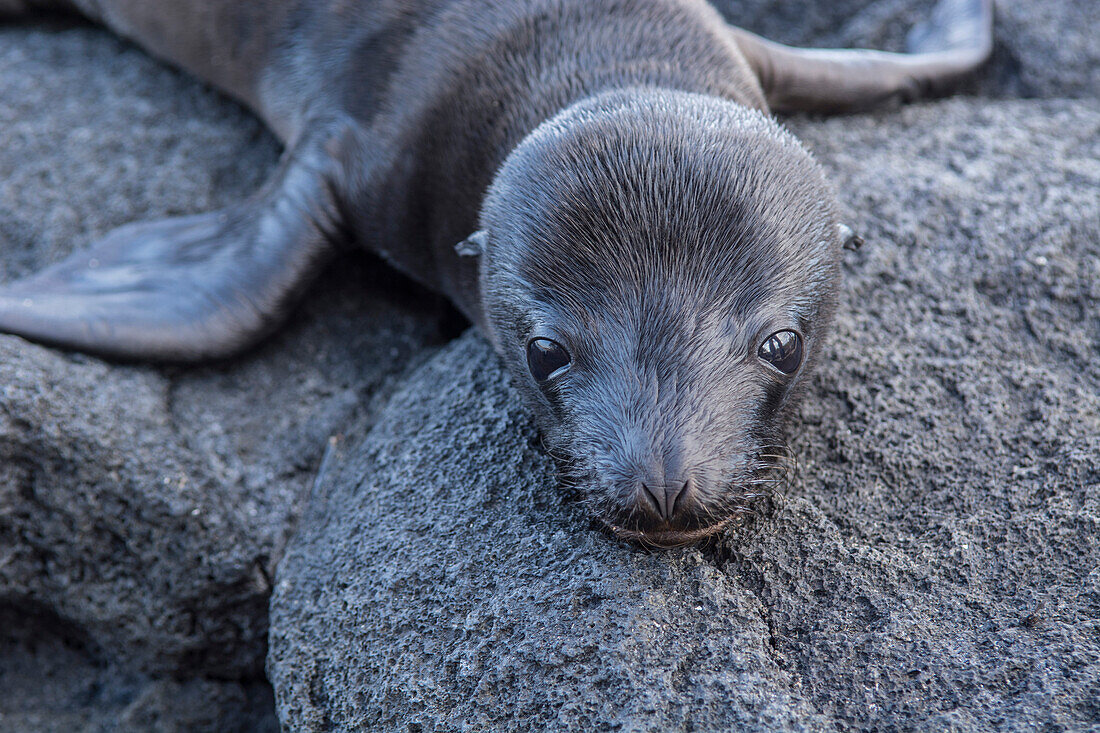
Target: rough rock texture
x=52, y=682
x=142, y=510
x=426, y=592
x=933, y=564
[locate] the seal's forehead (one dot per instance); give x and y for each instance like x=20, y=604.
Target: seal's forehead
x=664, y=166
x=666, y=212
x=632, y=122
x=682, y=206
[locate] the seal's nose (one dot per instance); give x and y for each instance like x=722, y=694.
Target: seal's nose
x=666, y=498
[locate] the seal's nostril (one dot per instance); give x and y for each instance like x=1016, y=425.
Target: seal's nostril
x=677, y=500
x=653, y=499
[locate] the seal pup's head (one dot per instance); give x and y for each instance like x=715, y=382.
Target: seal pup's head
x=658, y=270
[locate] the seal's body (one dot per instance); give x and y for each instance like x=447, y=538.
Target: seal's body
x=655, y=259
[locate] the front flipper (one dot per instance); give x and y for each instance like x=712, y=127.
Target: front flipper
x=956, y=39
x=189, y=288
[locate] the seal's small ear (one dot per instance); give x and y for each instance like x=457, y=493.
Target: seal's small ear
x=473, y=245
x=850, y=239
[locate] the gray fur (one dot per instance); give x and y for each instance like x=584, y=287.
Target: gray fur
x=663, y=312
x=636, y=204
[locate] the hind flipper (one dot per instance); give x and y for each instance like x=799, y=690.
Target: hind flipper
x=957, y=38
x=189, y=288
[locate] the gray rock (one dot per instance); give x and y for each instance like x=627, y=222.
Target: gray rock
x=52, y=681
x=427, y=592
x=142, y=510
x=1042, y=49
x=933, y=565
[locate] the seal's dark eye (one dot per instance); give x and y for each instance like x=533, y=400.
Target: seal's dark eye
x=783, y=350
x=546, y=358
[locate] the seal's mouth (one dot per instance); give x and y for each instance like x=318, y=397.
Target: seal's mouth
x=746, y=491
x=742, y=502
x=670, y=537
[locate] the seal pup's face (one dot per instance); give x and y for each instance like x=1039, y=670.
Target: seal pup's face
x=658, y=271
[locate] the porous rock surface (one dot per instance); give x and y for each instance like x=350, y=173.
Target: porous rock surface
x=933, y=563
x=143, y=509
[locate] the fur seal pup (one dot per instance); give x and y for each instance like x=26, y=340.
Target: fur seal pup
x=653, y=257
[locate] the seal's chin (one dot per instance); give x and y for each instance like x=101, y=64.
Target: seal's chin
x=669, y=537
